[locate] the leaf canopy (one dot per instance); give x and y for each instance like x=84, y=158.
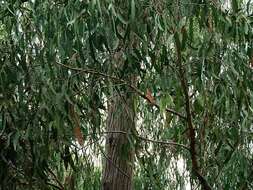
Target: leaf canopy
x=61, y=61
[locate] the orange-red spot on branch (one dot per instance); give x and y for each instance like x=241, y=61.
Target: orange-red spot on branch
x=149, y=96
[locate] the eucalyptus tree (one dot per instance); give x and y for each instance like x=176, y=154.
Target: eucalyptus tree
x=160, y=90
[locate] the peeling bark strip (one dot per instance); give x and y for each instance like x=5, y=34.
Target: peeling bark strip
x=118, y=171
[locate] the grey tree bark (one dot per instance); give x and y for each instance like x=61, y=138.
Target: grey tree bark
x=118, y=164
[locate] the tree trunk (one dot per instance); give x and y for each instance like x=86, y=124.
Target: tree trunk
x=118, y=162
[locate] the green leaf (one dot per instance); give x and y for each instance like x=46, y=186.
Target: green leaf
x=132, y=13
x=246, y=28
x=235, y=5
x=15, y=140
x=166, y=101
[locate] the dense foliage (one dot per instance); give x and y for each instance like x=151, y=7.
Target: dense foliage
x=191, y=63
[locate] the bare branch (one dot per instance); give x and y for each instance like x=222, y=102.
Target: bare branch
x=185, y=89
x=135, y=89
x=165, y=143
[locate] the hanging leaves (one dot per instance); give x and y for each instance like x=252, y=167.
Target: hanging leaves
x=132, y=12
x=210, y=22
x=211, y=37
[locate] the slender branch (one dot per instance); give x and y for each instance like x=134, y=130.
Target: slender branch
x=185, y=89
x=142, y=138
x=135, y=89
x=165, y=143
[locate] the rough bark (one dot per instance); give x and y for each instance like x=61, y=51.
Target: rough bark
x=118, y=167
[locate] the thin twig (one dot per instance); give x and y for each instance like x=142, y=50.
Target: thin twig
x=165, y=143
